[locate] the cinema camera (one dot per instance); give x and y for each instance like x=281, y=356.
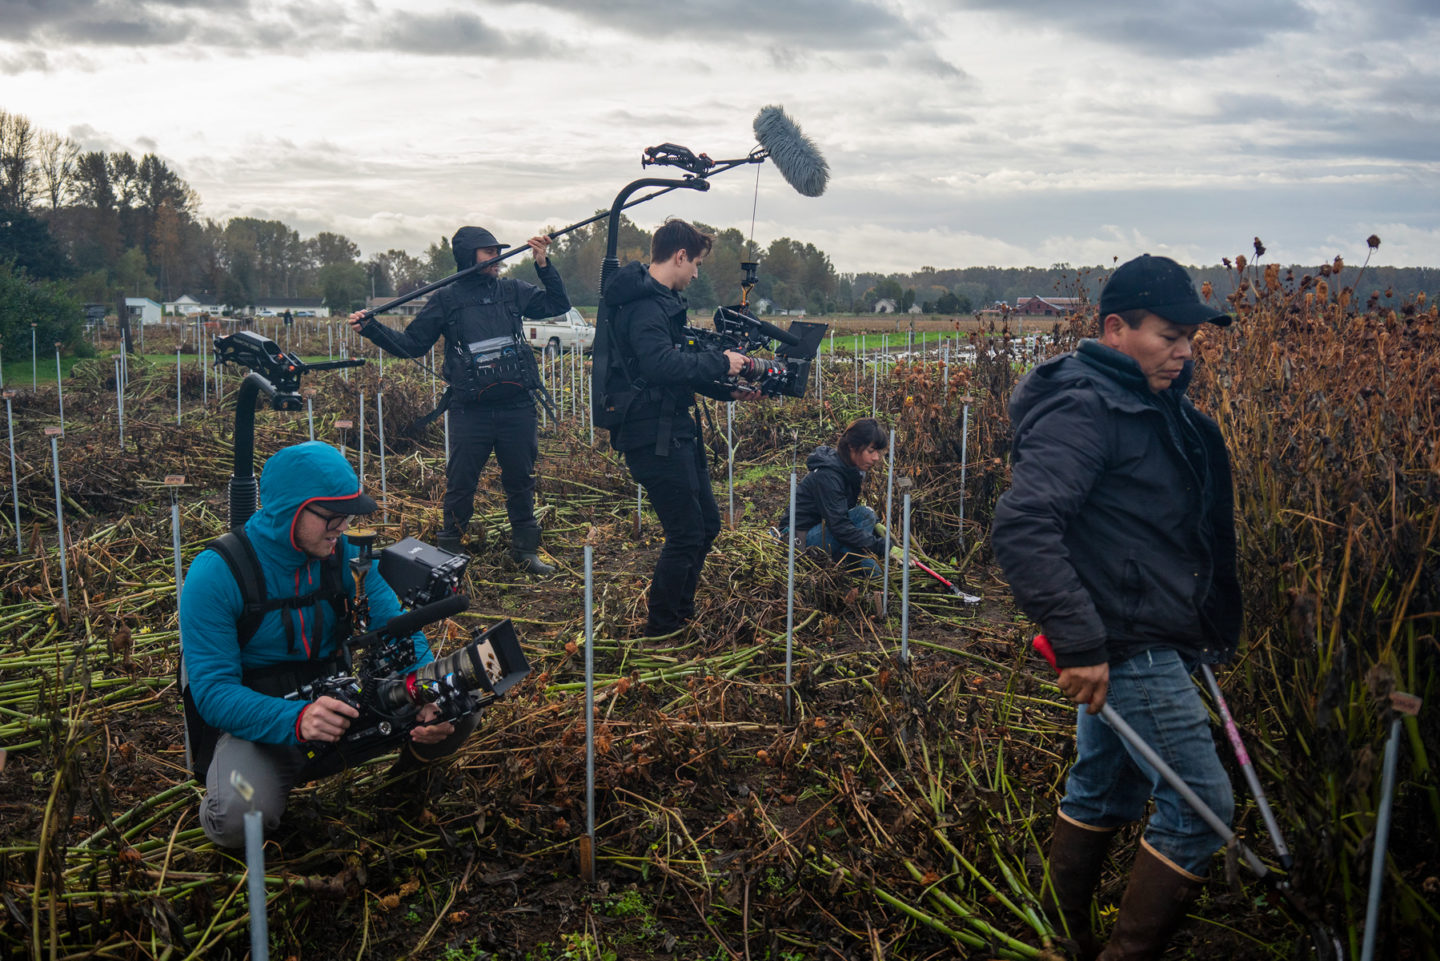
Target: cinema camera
x=376, y=677
x=737, y=329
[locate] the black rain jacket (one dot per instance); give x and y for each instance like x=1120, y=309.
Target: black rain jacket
x=647, y=327
x=827, y=494
x=476, y=307
x=1117, y=533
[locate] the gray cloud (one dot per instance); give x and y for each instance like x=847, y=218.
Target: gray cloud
x=1188, y=29
x=243, y=25
x=799, y=24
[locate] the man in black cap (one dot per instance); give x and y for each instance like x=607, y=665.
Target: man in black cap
x=488, y=367
x=1118, y=539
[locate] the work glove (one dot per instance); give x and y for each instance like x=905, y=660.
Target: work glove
x=897, y=552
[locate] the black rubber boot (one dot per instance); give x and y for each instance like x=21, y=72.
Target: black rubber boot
x=449, y=542
x=1156, y=900
x=1077, y=854
x=524, y=550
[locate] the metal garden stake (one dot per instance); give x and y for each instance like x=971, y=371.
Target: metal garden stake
x=730, y=457
x=14, y=474
x=380, y=419
x=1403, y=704
x=905, y=577
x=254, y=872
x=790, y=599
x=174, y=482
x=889, y=522
x=964, y=456
x=587, y=866
x=55, y=434
x=120, y=402
x=59, y=385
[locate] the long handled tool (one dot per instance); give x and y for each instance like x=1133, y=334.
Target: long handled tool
x=1327, y=944
x=967, y=598
x=916, y=562
x=1282, y=851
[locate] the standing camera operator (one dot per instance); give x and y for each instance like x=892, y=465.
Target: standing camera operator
x=485, y=416
x=241, y=656
x=651, y=382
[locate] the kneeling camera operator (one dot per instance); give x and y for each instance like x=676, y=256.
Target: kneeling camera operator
x=270, y=617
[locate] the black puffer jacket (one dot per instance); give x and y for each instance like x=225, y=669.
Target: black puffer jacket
x=647, y=320
x=1117, y=532
x=827, y=494
x=476, y=307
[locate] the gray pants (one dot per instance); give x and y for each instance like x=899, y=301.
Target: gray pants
x=274, y=769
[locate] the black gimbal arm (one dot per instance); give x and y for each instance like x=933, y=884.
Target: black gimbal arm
x=274, y=373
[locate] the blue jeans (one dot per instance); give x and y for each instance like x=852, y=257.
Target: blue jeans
x=820, y=536
x=1110, y=783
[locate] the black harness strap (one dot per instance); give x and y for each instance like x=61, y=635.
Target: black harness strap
x=239, y=555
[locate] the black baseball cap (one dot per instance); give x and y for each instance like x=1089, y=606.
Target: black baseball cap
x=358, y=503
x=1161, y=286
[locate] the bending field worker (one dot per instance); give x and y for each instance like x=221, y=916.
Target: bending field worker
x=1117, y=538
x=827, y=499
x=490, y=371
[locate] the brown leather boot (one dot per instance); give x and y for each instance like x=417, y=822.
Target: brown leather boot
x=1077, y=854
x=1156, y=900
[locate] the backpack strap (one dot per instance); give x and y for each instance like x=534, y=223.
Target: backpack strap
x=239, y=555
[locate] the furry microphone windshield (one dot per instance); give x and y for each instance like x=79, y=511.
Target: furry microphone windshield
x=794, y=154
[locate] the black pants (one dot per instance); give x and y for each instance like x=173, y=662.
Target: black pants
x=512, y=435
x=679, y=489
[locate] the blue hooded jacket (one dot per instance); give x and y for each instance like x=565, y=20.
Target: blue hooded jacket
x=211, y=604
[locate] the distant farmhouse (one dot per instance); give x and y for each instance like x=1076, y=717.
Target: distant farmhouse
x=187, y=306
x=1047, y=306
x=404, y=310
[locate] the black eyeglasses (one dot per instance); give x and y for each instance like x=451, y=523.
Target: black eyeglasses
x=333, y=522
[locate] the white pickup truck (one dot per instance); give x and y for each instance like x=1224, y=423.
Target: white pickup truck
x=567, y=331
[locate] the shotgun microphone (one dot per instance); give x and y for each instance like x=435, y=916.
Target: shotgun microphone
x=775, y=333
x=795, y=155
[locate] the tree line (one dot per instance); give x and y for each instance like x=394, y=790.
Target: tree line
x=89, y=226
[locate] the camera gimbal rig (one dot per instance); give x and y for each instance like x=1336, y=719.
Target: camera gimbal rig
x=276, y=374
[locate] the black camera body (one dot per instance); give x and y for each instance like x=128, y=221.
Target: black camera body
x=389, y=702
x=785, y=375
x=378, y=676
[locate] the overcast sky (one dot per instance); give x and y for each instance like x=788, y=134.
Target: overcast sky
x=958, y=132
